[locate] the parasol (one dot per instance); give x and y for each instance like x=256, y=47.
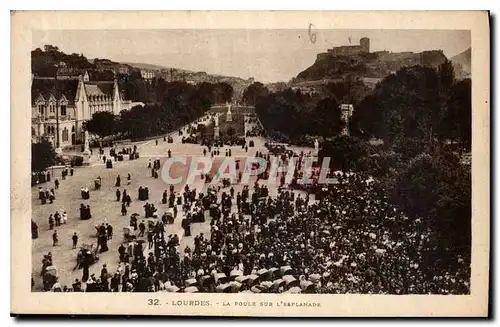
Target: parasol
x=294, y=290
x=266, y=284
x=191, y=289
x=172, y=289
x=235, y=273
x=222, y=287
x=314, y=277
x=190, y=282
x=241, y=279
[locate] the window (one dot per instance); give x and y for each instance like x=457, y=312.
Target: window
x=51, y=108
x=63, y=110
x=65, y=135
x=41, y=109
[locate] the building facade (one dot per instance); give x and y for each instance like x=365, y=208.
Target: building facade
x=62, y=105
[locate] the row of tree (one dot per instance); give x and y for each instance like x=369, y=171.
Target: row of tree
x=182, y=103
x=417, y=104
x=414, y=108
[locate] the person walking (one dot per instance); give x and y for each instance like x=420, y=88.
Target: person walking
x=109, y=230
x=75, y=240
x=55, y=240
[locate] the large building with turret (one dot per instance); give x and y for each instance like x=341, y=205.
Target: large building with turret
x=61, y=105
x=347, y=50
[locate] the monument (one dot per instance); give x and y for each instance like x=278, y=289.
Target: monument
x=216, y=127
x=86, y=147
x=228, y=114
x=346, y=111
x=316, y=147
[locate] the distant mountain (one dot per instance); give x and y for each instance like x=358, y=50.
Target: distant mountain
x=238, y=84
x=462, y=64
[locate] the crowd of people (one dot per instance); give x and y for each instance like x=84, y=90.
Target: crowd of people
x=351, y=239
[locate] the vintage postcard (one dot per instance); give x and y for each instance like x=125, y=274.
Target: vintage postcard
x=250, y=163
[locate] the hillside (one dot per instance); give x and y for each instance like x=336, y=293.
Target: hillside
x=462, y=64
x=144, y=66
x=367, y=65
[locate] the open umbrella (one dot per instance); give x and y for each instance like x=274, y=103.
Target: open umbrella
x=235, y=273
x=290, y=280
x=285, y=269
x=252, y=277
x=266, y=284
x=191, y=282
x=241, y=279
x=256, y=289
x=220, y=275
x=191, y=289
x=172, y=289
x=315, y=277
x=294, y=290
x=273, y=270
x=235, y=286
x=305, y=284
x=222, y=288
x=262, y=271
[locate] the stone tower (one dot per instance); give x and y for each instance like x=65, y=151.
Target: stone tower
x=365, y=44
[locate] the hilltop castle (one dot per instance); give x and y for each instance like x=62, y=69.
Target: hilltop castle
x=347, y=50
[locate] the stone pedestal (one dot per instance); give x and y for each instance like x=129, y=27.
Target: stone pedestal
x=86, y=159
x=216, y=132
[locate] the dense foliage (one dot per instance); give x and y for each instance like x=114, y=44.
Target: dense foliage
x=42, y=156
x=181, y=103
x=102, y=123
x=419, y=104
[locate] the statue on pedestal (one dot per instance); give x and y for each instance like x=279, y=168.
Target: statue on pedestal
x=316, y=147
x=228, y=114
x=86, y=148
x=216, y=127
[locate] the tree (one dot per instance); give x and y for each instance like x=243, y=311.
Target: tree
x=404, y=105
x=230, y=131
x=43, y=155
x=253, y=92
x=102, y=123
x=457, y=123
x=328, y=118
x=439, y=190
x=346, y=153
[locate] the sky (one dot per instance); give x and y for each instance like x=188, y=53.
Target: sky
x=266, y=55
